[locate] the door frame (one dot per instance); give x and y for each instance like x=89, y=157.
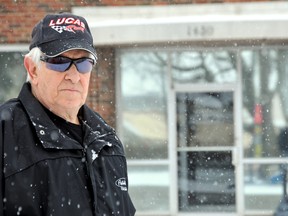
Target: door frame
x=237, y=150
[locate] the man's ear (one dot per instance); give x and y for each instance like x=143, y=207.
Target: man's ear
x=31, y=69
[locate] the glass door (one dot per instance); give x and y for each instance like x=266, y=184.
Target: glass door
x=205, y=151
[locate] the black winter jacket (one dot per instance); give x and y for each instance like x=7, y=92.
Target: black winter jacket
x=46, y=173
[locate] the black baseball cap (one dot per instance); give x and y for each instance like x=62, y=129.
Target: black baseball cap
x=58, y=33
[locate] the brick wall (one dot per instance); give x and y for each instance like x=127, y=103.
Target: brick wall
x=19, y=16
x=102, y=85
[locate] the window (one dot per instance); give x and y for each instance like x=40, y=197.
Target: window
x=12, y=74
x=144, y=127
x=143, y=105
x=265, y=140
x=204, y=66
x=252, y=81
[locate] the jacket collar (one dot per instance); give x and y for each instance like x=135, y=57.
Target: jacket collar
x=49, y=135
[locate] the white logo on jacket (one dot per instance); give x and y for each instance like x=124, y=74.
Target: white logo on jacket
x=121, y=182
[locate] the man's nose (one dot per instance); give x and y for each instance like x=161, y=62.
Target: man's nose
x=73, y=74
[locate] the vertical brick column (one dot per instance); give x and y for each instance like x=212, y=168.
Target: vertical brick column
x=101, y=96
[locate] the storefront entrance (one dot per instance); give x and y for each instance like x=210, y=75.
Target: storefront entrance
x=205, y=129
x=207, y=168
x=206, y=175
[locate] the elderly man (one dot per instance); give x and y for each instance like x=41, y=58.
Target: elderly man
x=60, y=158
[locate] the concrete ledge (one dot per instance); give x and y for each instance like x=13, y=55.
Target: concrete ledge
x=178, y=23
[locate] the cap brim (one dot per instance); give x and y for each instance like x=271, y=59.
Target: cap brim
x=56, y=48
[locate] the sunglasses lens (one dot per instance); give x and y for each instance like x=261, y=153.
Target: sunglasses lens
x=59, y=63
x=58, y=67
x=84, y=65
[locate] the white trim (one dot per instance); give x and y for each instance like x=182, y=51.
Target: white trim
x=148, y=11
x=272, y=160
x=184, y=23
x=172, y=148
x=206, y=149
x=118, y=94
x=204, y=87
x=238, y=132
x=14, y=47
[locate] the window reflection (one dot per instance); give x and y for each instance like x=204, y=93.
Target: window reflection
x=263, y=193
x=12, y=74
x=264, y=112
x=149, y=187
x=265, y=101
x=143, y=105
x=265, y=105
x=206, y=179
x=204, y=66
x=205, y=119
x=206, y=182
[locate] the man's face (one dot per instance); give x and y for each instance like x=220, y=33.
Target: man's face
x=62, y=90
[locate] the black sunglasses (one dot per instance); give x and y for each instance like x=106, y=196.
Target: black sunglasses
x=62, y=63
